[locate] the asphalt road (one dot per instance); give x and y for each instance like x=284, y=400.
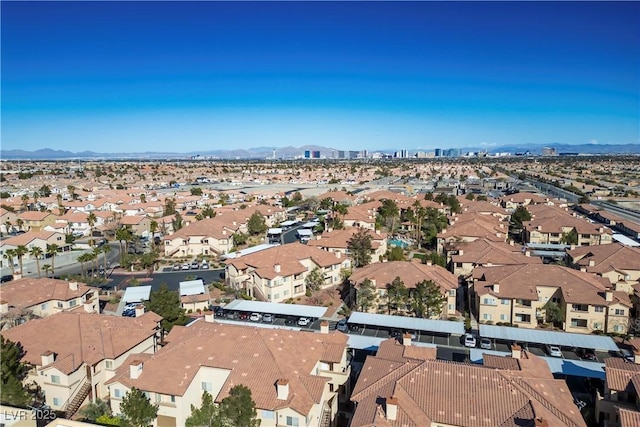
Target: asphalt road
x=171, y=279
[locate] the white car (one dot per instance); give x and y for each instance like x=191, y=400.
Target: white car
x=255, y=317
x=469, y=340
x=204, y=266
x=304, y=321
x=554, y=351
x=185, y=266
x=485, y=343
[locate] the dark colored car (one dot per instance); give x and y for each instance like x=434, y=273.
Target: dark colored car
x=290, y=320
x=243, y=316
x=342, y=325
x=6, y=278
x=586, y=354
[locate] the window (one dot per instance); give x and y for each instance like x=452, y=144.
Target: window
x=619, y=312
x=459, y=264
x=556, y=300
x=172, y=399
x=72, y=303
x=55, y=379
x=452, y=293
x=56, y=401
x=504, y=302
x=579, y=323
x=60, y=305
x=597, y=325
x=268, y=415
x=486, y=316
x=599, y=309
x=292, y=421
x=503, y=317
x=451, y=307
x=285, y=292
x=207, y=386
x=117, y=393
x=276, y=296
x=580, y=307
x=488, y=301
x=618, y=328
x=109, y=364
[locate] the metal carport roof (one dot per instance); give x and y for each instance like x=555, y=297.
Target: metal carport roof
x=564, y=339
x=276, y=308
x=192, y=287
x=407, y=323
x=137, y=293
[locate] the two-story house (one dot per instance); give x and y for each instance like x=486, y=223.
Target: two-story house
x=36, y=220
x=73, y=354
x=338, y=241
x=295, y=378
x=279, y=273
x=532, y=294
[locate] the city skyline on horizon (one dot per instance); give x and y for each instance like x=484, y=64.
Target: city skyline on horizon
x=201, y=76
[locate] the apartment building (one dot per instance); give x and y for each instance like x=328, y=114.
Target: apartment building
x=404, y=385
x=73, y=354
x=524, y=294
x=362, y=216
x=619, y=406
x=464, y=257
x=618, y=263
x=469, y=228
x=26, y=298
x=338, y=241
x=411, y=273
x=209, y=236
x=553, y=225
x=295, y=378
x=513, y=201
x=279, y=273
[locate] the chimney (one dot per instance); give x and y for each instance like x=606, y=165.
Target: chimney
x=540, y=422
x=324, y=327
x=429, y=262
x=209, y=317
x=73, y=286
x=527, y=253
x=592, y=263
x=583, y=269
x=378, y=232
x=392, y=408
x=636, y=357
x=282, y=387
x=511, y=242
x=608, y=295
x=224, y=232
x=461, y=252
x=338, y=254
x=539, y=228
x=276, y=267
x=135, y=369
x=4, y=307
x=48, y=357
x=139, y=310
x=406, y=339
x=496, y=288
x=516, y=351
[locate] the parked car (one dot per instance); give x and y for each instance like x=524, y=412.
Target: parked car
x=255, y=317
x=627, y=354
x=195, y=265
x=176, y=267
x=485, y=343
x=342, y=325
x=243, y=316
x=204, y=265
x=217, y=310
x=231, y=315
x=586, y=354
x=185, y=266
x=304, y=321
x=469, y=340
x=267, y=318
x=553, y=351
x=290, y=320
x=6, y=278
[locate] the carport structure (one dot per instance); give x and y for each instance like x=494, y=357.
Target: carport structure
x=428, y=330
x=136, y=294
x=298, y=310
x=535, y=336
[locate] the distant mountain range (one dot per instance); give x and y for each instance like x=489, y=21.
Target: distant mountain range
x=292, y=152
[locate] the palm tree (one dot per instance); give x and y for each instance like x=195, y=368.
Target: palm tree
x=10, y=254
x=19, y=223
x=21, y=251
x=36, y=252
x=125, y=234
x=86, y=257
x=35, y=197
x=25, y=202
x=153, y=227
x=60, y=207
x=91, y=219
x=46, y=268
x=105, y=250
x=72, y=190
x=52, y=251
x=96, y=255
x=143, y=198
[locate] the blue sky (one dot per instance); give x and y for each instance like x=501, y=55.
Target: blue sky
x=198, y=76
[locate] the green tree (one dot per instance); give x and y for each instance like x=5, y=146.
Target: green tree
x=397, y=294
x=137, y=410
x=520, y=215
x=554, y=312
x=470, y=196
x=208, y=212
x=315, y=279
x=360, y=247
x=166, y=303
x=196, y=191
x=239, y=238
x=37, y=252
x=52, y=251
x=13, y=373
x=389, y=213
x=437, y=259
x=239, y=408
x=427, y=299
x=45, y=191
x=46, y=268
x=10, y=254
x=21, y=251
x=95, y=410
x=169, y=207
x=257, y=224
x=207, y=415
x=177, y=223
x=91, y=220
x=570, y=238
x=395, y=253
x=366, y=295
x=123, y=234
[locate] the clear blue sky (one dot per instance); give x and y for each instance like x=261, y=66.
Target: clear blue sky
x=196, y=76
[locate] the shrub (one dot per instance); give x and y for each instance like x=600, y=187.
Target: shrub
x=308, y=292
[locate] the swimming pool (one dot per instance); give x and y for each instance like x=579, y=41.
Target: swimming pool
x=399, y=243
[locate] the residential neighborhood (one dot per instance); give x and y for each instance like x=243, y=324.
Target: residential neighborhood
x=426, y=300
